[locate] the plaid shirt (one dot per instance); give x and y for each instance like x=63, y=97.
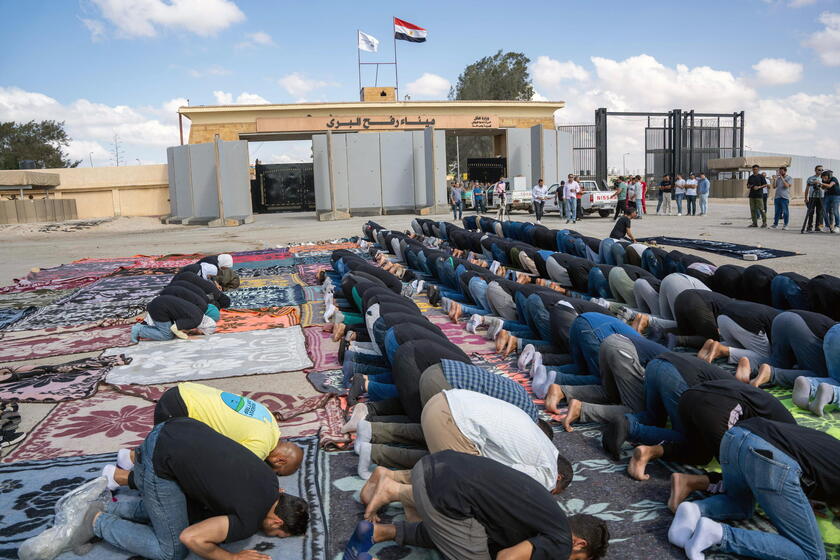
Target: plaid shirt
x=474, y=378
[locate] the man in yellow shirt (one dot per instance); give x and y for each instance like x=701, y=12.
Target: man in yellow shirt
x=243, y=420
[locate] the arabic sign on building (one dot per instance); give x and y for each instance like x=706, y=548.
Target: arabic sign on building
x=390, y=122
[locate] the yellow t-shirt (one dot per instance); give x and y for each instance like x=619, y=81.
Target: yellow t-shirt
x=241, y=419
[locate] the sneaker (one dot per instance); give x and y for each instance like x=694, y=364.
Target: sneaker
x=835, y=230
x=764, y=226
x=679, y=213
x=784, y=227
x=774, y=226
x=753, y=225
x=474, y=322
x=9, y=438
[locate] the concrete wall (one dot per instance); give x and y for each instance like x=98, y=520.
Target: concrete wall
x=100, y=192
x=39, y=210
x=737, y=188
x=539, y=152
x=802, y=167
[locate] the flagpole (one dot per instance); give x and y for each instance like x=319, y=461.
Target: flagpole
x=396, y=67
x=359, y=62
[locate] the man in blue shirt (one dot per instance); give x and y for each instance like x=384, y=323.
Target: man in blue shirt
x=703, y=188
x=478, y=199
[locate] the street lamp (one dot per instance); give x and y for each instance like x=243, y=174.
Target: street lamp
x=624, y=162
x=90, y=156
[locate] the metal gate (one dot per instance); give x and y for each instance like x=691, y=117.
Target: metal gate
x=284, y=187
x=584, y=148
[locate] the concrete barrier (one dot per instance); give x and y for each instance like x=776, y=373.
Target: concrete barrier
x=41, y=210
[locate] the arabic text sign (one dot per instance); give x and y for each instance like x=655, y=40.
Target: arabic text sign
x=379, y=123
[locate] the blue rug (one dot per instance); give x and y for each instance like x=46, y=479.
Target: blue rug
x=30, y=489
x=266, y=296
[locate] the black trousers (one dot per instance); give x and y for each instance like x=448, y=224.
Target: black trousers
x=538, y=209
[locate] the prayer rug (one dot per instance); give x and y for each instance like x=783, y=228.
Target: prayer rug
x=36, y=298
x=128, y=290
x=322, y=350
x=281, y=281
x=86, y=268
x=59, y=341
x=332, y=417
x=143, y=271
x=323, y=247
x=309, y=272
x=68, y=284
x=221, y=355
x=266, y=296
x=78, y=379
x=32, y=488
x=274, y=270
x=287, y=261
x=107, y=421
x=241, y=320
x=11, y=315
x=313, y=293
x=312, y=313
x=304, y=258
x=468, y=342
x=328, y=381
x=720, y=247
x=280, y=250
x=267, y=255
x=68, y=315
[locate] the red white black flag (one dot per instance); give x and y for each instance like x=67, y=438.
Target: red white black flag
x=404, y=31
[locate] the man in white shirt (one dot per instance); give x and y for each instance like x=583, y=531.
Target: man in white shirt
x=539, y=194
x=500, y=192
x=679, y=193
x=691, y=195
x=477, y=424
x=570, y=191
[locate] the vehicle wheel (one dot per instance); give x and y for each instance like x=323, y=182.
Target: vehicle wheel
x=507, y=209
x=604, y=213
x=531, y=209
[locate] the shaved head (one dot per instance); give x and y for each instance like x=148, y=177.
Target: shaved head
x=285, y=458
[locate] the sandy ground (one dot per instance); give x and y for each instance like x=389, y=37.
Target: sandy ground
x=25, y=246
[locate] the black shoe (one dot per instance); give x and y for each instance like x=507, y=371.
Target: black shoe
x=434, y=295
x=615, y=434
x=357, y=388
x=342, y=348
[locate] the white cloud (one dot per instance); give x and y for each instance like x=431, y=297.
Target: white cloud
x=256, y=39
x=244, y=98
x=144, y=132
x=300, y=86
x=214, y=70
x=800, y=3
x=796, y=124
x=777, y=71
x=96, y=29
x=281, y=152
x=827, y=41
x=143, y=18
x=428, y=86
x=550, y=73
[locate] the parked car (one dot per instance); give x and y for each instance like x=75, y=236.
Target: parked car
x=515, y=199
x=593, y=199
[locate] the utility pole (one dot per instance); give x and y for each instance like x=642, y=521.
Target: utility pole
x=90, y=156
x=116, y=150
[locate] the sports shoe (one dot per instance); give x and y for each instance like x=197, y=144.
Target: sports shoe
x=784, y=227
x=774, y=226
x=474, y=322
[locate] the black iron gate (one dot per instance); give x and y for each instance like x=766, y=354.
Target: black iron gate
x=283, y=187
x=584, y=149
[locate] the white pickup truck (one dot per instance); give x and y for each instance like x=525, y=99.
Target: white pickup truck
x=516, y=198
x=594, y=199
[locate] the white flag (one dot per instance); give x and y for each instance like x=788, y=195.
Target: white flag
x=368, y=43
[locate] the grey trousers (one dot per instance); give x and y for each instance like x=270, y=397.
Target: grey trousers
x=672, y=286
x=743, y=343
x=622, y=286
x=557, y=273
x=623, y=381
x=501, y=303
x=432, y=382
x=461, y=539
x=415, y=226
x=647, y=298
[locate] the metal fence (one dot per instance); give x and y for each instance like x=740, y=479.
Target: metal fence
x=584, y=148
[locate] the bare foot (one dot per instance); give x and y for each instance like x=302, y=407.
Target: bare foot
x=682, y=485
x=370, y=486
x=704, y=351
x=742, y=372
x=573, y=415
x=501, y=340
x=557, y=287
x=386, y=491
x=522, y=278
x=640, y=323
x=454, y=311
x=764, y=376
x=642, y=455
x=717, y=350
x=338, y=331
x=510, y=346
x=382, y=533
x=553, y=398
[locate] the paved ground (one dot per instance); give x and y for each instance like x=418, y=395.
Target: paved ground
x=31, y=245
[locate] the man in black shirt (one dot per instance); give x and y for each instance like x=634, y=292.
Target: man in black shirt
x=622, y=226
x=168, y=316
x=472, y=508
x=745, y=332
x=779, y=466
x=199, y=489
x=755, y=186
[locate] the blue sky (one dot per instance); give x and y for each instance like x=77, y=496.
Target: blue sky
x=123, y=66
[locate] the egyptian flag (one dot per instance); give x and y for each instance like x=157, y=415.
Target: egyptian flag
x=405, y=31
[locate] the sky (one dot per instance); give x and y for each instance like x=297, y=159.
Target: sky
x=123, y=67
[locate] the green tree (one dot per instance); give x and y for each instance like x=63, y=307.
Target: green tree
x=501, y=77
x=40, y=141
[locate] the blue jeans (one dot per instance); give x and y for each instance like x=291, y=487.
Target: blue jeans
x=663, y=387
x=499, y=255
x=585, y=336
x=605, y=253
x=538, y=317
x=598, y=285
x=160, y=331
x=150, y=527
x=750, y=476
x=478, y=291
x=704, y=203
x=354, y=364
x=786, y=294
x=782, y=210
x=458, y=209
x=653, y=264
x=571, y=206
x=795, y=344
x=679, y=198
x=832, y=210
x=831, y=352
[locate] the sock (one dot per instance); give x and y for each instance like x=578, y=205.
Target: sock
x=444, y=303
x=525, y=357
x=475, y=322
x=538, y=361
x=707, y=534
x=824, y=396
x=682, y=527
x=364, y=433
x=495, y=326
x=124, y=459
x=364, y=460
x=360, y=542
x=360, y=412
x=541, y=381
x=108, y=472
x=801, y=392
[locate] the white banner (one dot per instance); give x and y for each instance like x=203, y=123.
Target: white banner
x=368, y=43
